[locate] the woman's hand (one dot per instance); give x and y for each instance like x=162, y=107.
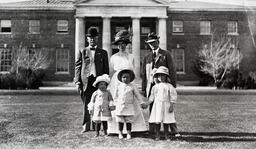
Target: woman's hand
x=171, y=108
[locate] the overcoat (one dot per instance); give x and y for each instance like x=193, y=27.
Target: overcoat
x=163, y=58
x=83, y=64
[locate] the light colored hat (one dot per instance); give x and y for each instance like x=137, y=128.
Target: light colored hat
x=102, y=78
x=162, y=70
x=119, y=75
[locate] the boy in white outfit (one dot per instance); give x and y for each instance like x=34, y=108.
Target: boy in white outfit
x=126, y=94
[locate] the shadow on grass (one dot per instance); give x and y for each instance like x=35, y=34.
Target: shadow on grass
x=217, y=136
x=206, y=136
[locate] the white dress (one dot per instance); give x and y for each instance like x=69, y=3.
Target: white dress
x=163, y=94
x=118, y=62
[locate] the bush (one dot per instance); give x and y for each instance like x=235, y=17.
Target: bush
x=26, y=78
x=7, y=81
x=204, y=79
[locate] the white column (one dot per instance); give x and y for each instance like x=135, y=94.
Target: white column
x=106, y=38
x=162, y=32
x=136, y=44
x=80, y=34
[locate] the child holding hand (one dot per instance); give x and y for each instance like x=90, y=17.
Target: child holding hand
x=126, y=94
x=101, y=104
x=164, y=96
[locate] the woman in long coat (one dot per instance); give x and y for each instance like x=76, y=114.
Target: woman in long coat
x=120, y=61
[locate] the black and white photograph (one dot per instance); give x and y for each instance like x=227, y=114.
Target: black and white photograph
x=128, y=74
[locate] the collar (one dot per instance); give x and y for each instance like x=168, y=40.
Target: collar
x=92, y=47
x=157, y=51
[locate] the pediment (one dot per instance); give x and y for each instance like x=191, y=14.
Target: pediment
x=123, y=2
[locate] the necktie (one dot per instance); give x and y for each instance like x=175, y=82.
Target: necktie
x=153, y=60
x=93, y=49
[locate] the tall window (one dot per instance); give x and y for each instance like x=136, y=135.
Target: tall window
x=177, y=26
x=232, y=27
x=145, y=30
x=5, y=26
x=62, y=61
x=205, y=27
x=62, y=26
x=5, y=60
x=34, y=26
x=179, y=58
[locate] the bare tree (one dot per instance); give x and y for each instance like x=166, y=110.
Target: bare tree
x=33, y=59
x=219, y=56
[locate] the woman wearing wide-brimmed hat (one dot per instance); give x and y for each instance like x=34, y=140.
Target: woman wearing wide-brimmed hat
x=119, y=61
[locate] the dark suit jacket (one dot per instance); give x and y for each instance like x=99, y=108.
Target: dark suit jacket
x=163, y=58
x=82, y=65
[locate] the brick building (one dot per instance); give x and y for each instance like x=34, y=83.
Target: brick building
x=61, y=25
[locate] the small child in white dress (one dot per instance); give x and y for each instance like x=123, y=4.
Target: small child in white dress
x=126, y=94
x=101, y=104
x=164, y=96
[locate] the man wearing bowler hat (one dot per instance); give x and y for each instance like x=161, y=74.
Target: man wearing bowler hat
x=156, y=58
x=90, y=62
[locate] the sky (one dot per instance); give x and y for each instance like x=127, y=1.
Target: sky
x=239, y=2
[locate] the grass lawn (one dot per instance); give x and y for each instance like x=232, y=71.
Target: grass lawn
x=213, y=121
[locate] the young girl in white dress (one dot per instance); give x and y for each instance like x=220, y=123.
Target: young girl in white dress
x=164, y=96
x=121, y=60
x=101, y=104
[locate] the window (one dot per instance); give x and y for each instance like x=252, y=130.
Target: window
x=62, y=26
x=145, y=30
x=5, y=26
x=34, y=26
x=232, y=27
x=179, y=58
x=5, y=60
x=62, y=61
x=118, y=28
x=177, y=26
x=205, y=27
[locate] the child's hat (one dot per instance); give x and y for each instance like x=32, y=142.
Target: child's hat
x=119, y=75
x=162, y=70
x=102, y=78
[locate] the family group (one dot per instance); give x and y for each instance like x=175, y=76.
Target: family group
x=112, y=99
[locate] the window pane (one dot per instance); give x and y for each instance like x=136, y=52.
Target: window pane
x=177, y=26
x=179, y=59
x=62, y=26
x=118, y=28
x=5, y=60
x=232, y=27
x=5, y=26
x=205, y=27
x=5, y=23
x=145, y=30
x=34, y=26
x=62, y=60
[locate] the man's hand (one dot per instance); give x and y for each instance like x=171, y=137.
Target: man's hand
x=79, y=88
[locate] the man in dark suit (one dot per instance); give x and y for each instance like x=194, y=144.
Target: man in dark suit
x=90, y=63
x=156, y=58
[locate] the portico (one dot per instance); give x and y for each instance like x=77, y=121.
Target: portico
x=109, y=9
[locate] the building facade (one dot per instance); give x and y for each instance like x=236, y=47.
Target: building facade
x=182, y=26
